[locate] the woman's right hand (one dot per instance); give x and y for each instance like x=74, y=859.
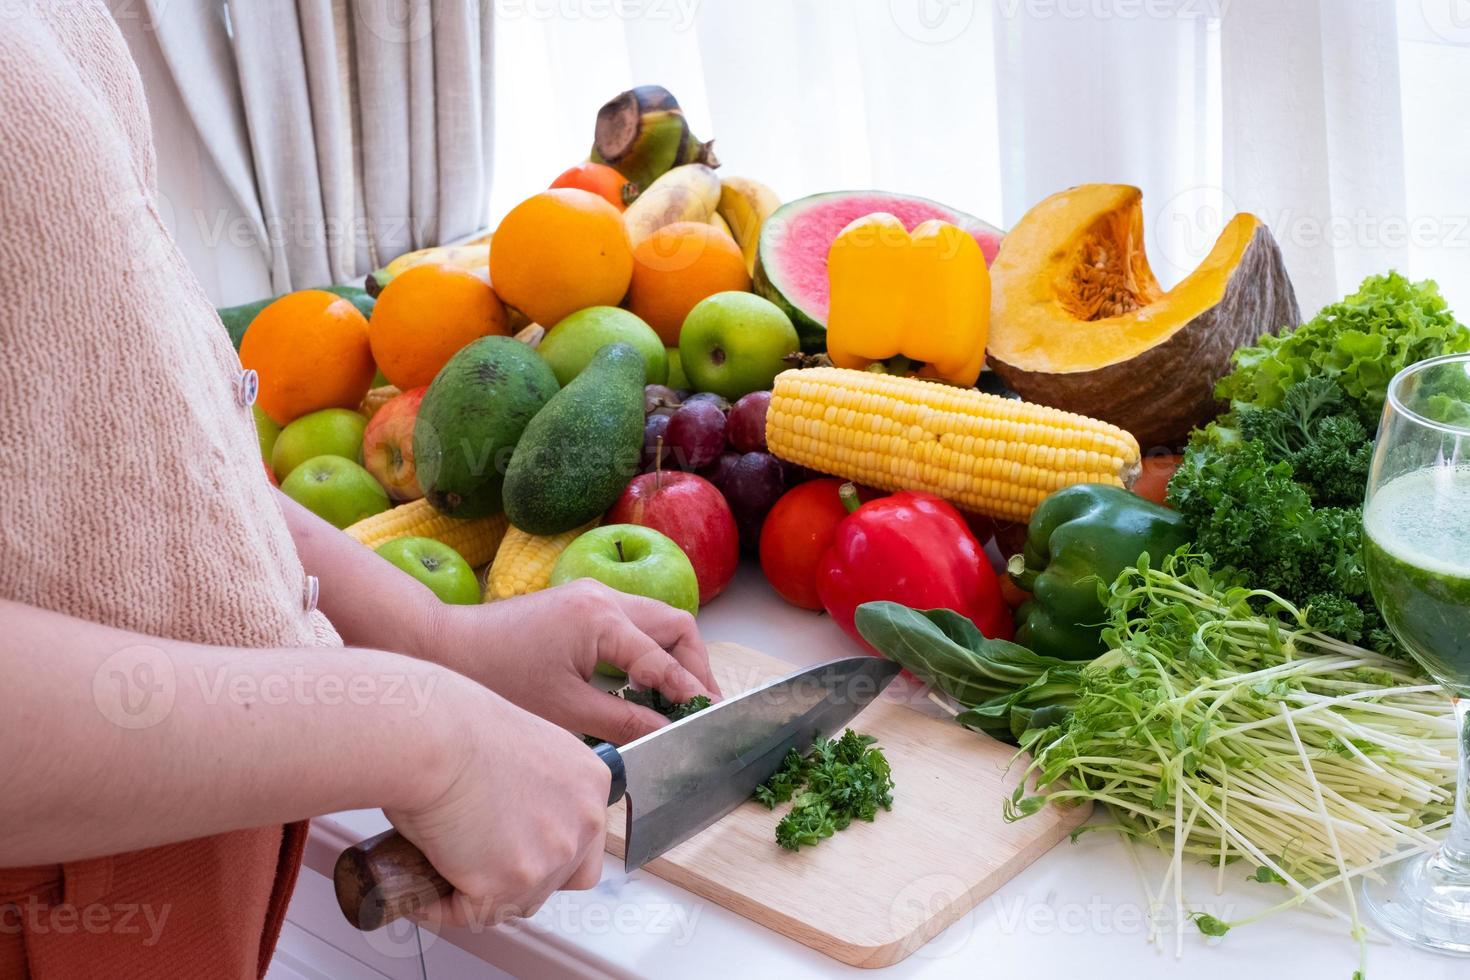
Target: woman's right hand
x=519, y=810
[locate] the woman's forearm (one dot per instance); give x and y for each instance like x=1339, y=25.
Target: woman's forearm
x=115, y=741
x=368, y=600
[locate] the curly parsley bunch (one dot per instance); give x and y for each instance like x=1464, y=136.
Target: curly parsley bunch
x=1275, y=487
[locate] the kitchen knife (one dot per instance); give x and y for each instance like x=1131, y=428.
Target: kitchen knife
x=678, y=780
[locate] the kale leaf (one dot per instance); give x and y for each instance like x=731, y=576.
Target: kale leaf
x=1250, y=511
x=1319, y=435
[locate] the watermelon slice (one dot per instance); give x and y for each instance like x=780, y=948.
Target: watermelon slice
x=791, y=263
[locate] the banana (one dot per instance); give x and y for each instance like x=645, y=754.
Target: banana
x=719, y=222
x=687, y=193
x=643, y=134
x=745, y=205
x=472, y=257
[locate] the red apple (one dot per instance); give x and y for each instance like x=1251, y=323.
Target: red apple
x=387, y=445
x=687, y=508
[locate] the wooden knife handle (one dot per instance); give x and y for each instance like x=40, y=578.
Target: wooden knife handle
x=385, y=878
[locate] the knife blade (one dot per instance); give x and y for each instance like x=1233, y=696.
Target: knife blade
x=684, y=777
x=678, y=780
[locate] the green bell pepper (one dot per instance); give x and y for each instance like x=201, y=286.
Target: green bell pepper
x=1079, y=540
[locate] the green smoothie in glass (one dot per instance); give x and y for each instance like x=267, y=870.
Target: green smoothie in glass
x=1417, y=551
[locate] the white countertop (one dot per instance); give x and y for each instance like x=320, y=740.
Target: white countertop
x=1079, y=911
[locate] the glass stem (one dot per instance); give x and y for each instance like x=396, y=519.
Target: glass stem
x=1456, y=850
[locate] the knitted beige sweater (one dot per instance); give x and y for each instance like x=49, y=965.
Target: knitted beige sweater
x=134, y=493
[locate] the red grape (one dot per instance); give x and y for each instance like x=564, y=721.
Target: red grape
x=659, y=398
x=655, y=427
x=696, y=434
x=752, y=486
x=719, y=469
x=709, y=396
x=747, y=428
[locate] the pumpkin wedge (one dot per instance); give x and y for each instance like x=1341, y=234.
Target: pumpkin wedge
x=1079, y=322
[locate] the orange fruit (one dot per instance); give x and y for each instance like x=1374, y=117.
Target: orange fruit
x=561, y=251
x=676, y=267
x=425, y=315
x=310, y=349
x=601, y=180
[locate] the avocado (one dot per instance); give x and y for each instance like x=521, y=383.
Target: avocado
x=237, y=319
x=579, y=453
x=470, y=420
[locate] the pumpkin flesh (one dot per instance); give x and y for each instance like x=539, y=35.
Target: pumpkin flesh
x=1078, y=318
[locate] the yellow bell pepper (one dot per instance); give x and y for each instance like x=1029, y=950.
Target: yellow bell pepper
x=923, y=295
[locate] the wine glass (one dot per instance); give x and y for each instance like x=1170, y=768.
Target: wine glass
x=1416, y=546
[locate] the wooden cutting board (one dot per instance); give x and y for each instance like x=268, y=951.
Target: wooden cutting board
x=872, y=894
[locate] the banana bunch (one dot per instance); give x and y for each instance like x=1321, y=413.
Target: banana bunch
x=643, y=134
x=687, y=193
x=737, y=206
x=744, y=206
x=472, y=256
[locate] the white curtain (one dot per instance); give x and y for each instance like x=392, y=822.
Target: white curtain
x=1314, y=112
x=1339, y=122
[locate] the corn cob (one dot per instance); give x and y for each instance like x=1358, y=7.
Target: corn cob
x=981, y=452
x=376, y=398
x=476, y=539
x=523, y=563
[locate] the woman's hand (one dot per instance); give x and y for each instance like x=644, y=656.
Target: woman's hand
x=521, y=814
x=539, y=651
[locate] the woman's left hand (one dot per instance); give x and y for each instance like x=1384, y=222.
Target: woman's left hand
x=540, y=650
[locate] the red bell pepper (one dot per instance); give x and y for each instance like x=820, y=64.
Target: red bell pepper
x=912, y=548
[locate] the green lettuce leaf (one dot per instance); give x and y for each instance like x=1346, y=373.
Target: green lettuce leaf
x=1362, y=341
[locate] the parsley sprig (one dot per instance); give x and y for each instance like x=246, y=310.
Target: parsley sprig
x=845, y=779
x=654, y=701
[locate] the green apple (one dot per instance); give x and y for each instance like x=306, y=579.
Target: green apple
x=436, y=565
x=330, y=432
x=266, y=431
x=335, y=489
x=735, y=343
x=677, y=378
x=633, y=559
x=569, y=345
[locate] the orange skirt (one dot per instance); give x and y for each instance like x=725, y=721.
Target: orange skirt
x=207, y=907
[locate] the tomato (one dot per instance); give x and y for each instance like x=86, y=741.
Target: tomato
x=1153, y=482
x=797, y=532
x=1011, y=593
x=601, y=180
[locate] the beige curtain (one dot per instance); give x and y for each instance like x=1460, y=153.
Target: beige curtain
x=349, y=131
